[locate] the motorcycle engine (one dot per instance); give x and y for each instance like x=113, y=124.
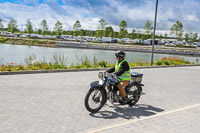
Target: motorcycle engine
x=114, y=97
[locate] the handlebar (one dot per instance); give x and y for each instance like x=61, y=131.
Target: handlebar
x=112, y=77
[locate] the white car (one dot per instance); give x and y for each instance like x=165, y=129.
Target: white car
x=170, y=44
x=197, y=44
x=191, y=45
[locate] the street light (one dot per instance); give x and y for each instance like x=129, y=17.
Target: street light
x=154, y=29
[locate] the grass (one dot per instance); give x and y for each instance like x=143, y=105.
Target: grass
x=182, y=46
x=30, y=42
x=123, y=43
x=59, y=61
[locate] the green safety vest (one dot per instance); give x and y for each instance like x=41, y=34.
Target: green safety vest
x=126, y=75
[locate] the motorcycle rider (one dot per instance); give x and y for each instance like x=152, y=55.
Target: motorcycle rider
x=122, y=70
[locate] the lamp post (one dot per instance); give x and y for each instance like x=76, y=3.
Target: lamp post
x=154, y=29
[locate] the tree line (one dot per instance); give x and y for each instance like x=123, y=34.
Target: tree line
x=102, y=30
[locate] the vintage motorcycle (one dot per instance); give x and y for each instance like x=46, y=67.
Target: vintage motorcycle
x=97, y=95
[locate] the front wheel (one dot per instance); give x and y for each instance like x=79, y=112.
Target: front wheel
x=95, y=99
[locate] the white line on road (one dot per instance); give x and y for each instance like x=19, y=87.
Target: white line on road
x=149, y=117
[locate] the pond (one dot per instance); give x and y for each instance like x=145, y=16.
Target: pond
x=18, y=53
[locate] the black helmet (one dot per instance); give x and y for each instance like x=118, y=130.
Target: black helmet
x=120, y=54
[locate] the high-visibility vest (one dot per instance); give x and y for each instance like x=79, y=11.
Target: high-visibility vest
x=126, y=75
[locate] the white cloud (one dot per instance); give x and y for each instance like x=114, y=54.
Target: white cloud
x=191, y=17
x=22, y=12
x=112, y=11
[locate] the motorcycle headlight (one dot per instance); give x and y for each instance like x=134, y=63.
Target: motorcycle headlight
x=101, y=82
x=100, y=75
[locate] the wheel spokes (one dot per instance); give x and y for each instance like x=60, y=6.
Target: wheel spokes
x=95, y=99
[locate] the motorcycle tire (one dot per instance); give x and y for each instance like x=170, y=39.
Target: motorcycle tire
x=95, y=99
x=136, y=95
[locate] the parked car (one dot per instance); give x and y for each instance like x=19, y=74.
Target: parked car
x=33, y=36
x=40, y=36
x=191, y=44
x=197, y=44
x=147, y=42
x=137, y=41
x=126, y=40
x=25, y=35
x=9, y=34
x=115, y=40
x=107, y=39
x=49, y=37
x=180, y=43
x=1, y=33
x=65, y=37
x=170, y=44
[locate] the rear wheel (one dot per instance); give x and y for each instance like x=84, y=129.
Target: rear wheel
x=94, y=100
x=134, y=94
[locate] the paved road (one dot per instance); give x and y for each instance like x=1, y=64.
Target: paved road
x=54, y=103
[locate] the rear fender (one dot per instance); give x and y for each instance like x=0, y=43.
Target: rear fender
x=136, y=84
x=139, y=84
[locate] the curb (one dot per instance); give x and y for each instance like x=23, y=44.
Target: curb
x=79, y=70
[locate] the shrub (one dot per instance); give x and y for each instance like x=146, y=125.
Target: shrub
x=171, y=61
x=58, y=63
x=102, y=64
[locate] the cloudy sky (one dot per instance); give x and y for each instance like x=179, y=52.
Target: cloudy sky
x=89, y=12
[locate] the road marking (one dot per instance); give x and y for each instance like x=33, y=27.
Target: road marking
x=149, y=117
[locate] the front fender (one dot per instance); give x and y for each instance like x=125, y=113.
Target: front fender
x=94, y=84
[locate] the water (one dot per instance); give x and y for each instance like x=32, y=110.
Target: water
x=17, y=53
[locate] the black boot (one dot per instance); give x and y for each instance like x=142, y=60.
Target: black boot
x=124, y=101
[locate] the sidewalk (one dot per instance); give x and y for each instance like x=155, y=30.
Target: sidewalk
x=54, y=102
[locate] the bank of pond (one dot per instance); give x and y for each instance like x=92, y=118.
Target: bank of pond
x=58, y=62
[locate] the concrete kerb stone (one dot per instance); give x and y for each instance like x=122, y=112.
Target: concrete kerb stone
x=78, y=70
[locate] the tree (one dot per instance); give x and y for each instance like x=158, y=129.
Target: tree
x=148, y=27
x=12, y=25
x=142, y=37
x=132, y=35
x=44, y=27
x=191, y=37
x=102, y=24
x=133, y=31
x=58, y=28
x=1, y=25
x=187, y=37
x=166, y=35
x=160, y=36
x=101, y=27
x=29, y=27
x=77, y=25
x=177, y=30
x=108, y=31
x=82, y=32
x=122, y=26
x=194, y=37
